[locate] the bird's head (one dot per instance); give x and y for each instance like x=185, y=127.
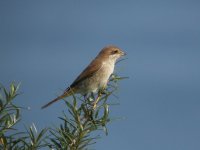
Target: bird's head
x=111, y=52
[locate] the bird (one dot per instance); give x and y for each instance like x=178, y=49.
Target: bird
x=95, y=76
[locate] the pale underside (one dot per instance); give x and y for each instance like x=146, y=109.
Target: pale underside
x=98, y=80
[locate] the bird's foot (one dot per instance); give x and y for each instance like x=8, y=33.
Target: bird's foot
x=96, y=102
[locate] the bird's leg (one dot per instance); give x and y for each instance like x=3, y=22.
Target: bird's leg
x=100, y=92
x=85, y=97
x=92, y=95
x=97, y=100
x=89, y=98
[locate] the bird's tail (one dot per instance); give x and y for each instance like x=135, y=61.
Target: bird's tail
x=67, y=93
x=51, y=102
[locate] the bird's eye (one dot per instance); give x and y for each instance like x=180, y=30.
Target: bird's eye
x=115, y=51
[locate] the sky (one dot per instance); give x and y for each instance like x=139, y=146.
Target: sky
x=45, y=44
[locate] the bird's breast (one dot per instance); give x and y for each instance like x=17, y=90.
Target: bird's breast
x=104, y=73
x=99, y=79
x=106, y=70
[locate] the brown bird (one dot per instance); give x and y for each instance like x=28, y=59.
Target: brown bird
x=95, y=76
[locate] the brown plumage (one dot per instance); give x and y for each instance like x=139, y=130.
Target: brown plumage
x=95, y=76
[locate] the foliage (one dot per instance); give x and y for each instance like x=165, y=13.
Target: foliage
x=80, y=127
x=9, y=115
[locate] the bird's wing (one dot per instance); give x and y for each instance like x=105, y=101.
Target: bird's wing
x=89, y=71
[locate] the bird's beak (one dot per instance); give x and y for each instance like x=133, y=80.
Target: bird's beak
x=123, y=53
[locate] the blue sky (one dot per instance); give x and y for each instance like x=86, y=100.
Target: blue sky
x=45, y=44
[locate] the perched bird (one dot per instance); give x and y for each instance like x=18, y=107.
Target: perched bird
x=95, y=76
